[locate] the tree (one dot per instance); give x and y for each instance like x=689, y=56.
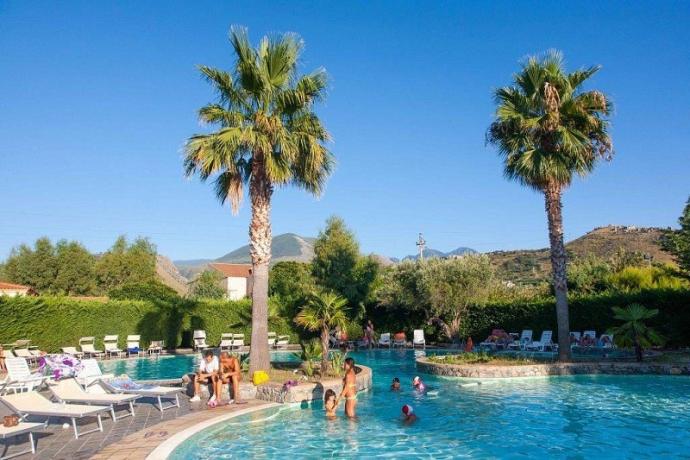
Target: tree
x=547, y=129
x=325, y=311
x=291, y=283
x=126, y=263
x=589, y=275
x=268, y=135
x=35, y=267
x=677, y=242
x=634, y=332
x=338, y=265
x=75, y=269
x=453, y=285
x=207, y=286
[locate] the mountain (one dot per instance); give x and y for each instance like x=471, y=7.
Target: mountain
x=435, y=253
x=534, y=265
x=169, y=275
x=287, y=246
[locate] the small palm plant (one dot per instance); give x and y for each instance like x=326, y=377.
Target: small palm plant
x=311, y=352
x=324, y=311
x=634, y=332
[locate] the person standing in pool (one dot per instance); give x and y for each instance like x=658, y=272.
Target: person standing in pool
x=330, y=403
x=349, y=388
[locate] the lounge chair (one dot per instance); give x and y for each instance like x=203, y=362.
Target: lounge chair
x=21, y=428
x=33, y=404
x=609, y=344
x=525, y=341
x=19, y=377
x=72, y=351
x=399, y=340
x=88, y=348
x=25, y=354
x=271, y=339
x=226, y=341
x=134, y=346
x=418, y=338
x=128, y=387
x=69, y=391
x=282, y=341
x=200, y=340
x=385, y=340
x=111, y=348
x=543, y=343
x=237, y=341
x=155, y=347
x=91, y=373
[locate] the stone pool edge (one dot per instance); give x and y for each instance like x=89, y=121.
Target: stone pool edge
x=549, y=369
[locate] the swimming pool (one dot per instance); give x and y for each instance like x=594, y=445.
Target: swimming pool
x=169, y=367
x=560, y=417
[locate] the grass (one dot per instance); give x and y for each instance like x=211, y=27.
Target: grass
x=481, y=358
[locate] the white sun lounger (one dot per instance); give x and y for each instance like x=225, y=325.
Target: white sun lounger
x=282, y=341
x=155, y=347
x=91, y=373
x=418, y=338
x=87, y=346
x=72, y=351
x=385, y=340
x=525, y=341
x=157, y=392
x=544, y=343
x=226, y=341
x=69, y=391
x=237, y=341
x=25, y=354
x=21, y=428
x=133, y=343
x=200, y=340
x=271, y=339
x=33, y=404
x=402, y=342
x=19, y=377
x=111, y=347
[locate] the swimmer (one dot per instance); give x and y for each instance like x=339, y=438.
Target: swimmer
x=395, y=386
x=330, y=403
x=418, y=384
x=409, y=415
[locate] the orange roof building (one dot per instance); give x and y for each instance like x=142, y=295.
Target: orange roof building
x=237, y=279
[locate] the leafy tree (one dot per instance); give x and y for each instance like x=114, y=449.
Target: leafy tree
x=589, y=275
x=637, y=278
x=677, y=242
x=153, y=291
x=325, y=311
x=291, y=283
x=207, y=286
x=267, y=135
x=75, y=269
x=338, y=265
x=547, y=129
x=126, y=263
x=452, y=286
x=634, y=332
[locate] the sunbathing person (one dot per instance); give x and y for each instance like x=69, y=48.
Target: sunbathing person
x=231, y=373
x=207, y=373
x=409, y=415
x=395, y=386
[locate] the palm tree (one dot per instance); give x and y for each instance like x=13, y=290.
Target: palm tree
x=323, y=312
x=547, y=129
x=267, y=135
x=634, y=332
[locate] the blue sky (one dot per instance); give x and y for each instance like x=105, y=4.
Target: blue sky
x=98, y=97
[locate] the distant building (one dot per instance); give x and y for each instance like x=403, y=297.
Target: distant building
x=237, y=279
x=14, y=290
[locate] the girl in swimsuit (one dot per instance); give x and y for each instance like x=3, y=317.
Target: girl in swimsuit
x=330, y=403
x=349, y=388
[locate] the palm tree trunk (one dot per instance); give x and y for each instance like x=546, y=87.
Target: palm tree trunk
x=324, y=352
x=552, y=197
x=260, y=191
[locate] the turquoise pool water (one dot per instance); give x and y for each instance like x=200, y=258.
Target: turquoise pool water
x=580, y=417
x=169, y=367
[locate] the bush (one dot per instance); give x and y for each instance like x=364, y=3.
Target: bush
x=54, y=322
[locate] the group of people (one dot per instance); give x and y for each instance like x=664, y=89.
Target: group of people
x=588, y=341
x=349, y=392
x=339, y=337
x=216, y=372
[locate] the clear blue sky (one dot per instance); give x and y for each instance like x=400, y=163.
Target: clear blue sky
x=98, y=97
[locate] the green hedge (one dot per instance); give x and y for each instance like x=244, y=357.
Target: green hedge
x=54, y=322
x=591, y=312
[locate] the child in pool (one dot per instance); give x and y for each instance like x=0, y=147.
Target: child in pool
x=330, y=403
x=418, y=384
x=409, y=415
x=395, y=386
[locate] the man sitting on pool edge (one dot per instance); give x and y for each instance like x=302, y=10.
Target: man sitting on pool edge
x=207, y=373
x=231, y=373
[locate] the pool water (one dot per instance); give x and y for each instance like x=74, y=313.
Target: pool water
x=579, y=417
x=169, y=367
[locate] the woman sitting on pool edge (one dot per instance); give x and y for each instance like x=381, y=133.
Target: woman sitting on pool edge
x=349, y=388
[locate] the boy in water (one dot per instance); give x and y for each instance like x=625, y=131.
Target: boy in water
x=409, y=415
x=395, y=386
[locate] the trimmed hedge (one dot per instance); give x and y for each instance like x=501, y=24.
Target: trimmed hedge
x=54, y=322
x=591, y=312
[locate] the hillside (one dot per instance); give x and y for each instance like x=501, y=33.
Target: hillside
x=169, y=275
x=604, y=242
x=435, y=253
